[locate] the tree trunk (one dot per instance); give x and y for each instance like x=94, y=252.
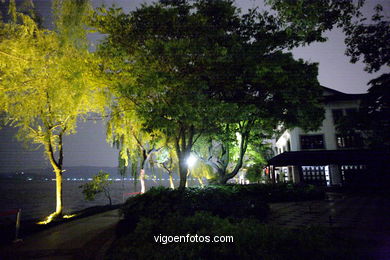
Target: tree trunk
x=183, y=169
x=243, y=146
x=57, y=167
x=108, y=195
x=171, y=184
x=201, y=182
x=142, y=180
x=142, y=171
x=59, y=205
x=183, y=143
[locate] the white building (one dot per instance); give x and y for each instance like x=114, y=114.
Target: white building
x=322, y=157
x=336, y=104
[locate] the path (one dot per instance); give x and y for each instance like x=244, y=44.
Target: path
x=365, y=218
x=85, y=238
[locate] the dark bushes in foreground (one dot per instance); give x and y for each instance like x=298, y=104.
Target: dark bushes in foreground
x=231, y=210
x=232, y=201
x=251, y=240
x=283, y=192
x=159, y=202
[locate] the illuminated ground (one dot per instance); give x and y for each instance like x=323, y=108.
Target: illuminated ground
x=84, y=238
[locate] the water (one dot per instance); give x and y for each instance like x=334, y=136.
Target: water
x=37, y=198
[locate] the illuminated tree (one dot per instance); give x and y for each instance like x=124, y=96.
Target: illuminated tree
x=47, y=82
x=180, y=110
x=136, y=146
x=195, y=66
x=167, y=160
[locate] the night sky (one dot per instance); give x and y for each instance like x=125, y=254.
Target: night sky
x=88, y=146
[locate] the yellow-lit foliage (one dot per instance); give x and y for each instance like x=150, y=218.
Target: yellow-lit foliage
x=202, y=170
x=47, y=84
x=125, y=130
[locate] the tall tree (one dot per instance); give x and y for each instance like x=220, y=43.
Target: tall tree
x=195, y=65
x=42, y=92
x=366, y=40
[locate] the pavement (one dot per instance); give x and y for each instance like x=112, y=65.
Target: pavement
x=86, y=238
x=363, y=218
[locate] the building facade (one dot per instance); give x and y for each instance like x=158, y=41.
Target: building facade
x=323, y=157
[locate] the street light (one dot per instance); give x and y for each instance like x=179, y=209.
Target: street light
x=191, y=160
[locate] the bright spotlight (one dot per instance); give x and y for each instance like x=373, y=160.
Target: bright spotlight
x=191, y=160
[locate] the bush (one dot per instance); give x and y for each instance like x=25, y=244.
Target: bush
x=252, y=240
x=98, y=184
x=283, y=192
x=159, y=202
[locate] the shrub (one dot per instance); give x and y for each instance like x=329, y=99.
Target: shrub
x=282, y=192
x=98, y=184
x=159, y=202
x=252, y=240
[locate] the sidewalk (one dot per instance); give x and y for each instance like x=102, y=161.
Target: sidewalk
x=86, y=238
x=365, y=218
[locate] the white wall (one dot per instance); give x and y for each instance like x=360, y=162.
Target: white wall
x=327, y=129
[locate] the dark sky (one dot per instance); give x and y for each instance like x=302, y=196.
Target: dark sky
x=88, y=146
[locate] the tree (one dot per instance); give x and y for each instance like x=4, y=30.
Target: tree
x=307, y=20
x=42, y=92
x=98, y=184
x=195, y=66
x=235, y=147
x=136, y=145
x=167, y=160
x=177, y=113
x=366, y=40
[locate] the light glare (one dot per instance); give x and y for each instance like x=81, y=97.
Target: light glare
x=191, y=160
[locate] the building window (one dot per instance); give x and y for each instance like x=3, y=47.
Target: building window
x=337, y=114
x=312, y=142
x=348, y=141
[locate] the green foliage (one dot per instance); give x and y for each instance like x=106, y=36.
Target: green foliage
x=372, y=121
x=48, y=81
x=307, y=20
x=70, y=19
x=41, y=90
x=252, y=240
x=189, y=68
x=365, y=40
x=218, y=210
x=231, y=201
x=98, y=184
x=254, y=173
x=276, y=192
x=157, y=203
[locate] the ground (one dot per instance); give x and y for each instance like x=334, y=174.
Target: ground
x=86, y=238
x=361, y=217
